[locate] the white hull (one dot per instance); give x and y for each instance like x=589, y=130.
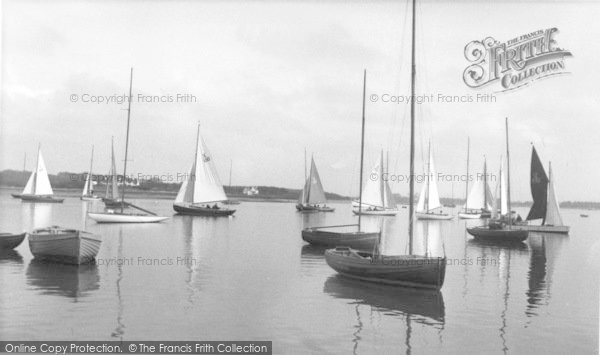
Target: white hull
x=437, y=216
x=90, y=198
x=542, y=229
x=376, y=213
x=64, y=245
x=125, y=218
x=463, y=215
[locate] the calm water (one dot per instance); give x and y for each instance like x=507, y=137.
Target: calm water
x=251, y=277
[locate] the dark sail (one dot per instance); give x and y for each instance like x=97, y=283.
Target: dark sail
x=539, y=188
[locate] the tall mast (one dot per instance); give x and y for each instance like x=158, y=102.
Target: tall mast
x=195, y=161
x=412, y=136
x=230, y=168
x=508, y=176
x=467, y=178
x=90, y=185
x=362, y=149
x=428, y=181
x=485, y=188
x=381, y=182
x=126, y=143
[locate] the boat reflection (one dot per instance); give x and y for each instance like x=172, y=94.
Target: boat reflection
x=544, y=250
x=36, y=215
x=10, y=256
x=73, y=281
x=120, y=328
x=424, y=306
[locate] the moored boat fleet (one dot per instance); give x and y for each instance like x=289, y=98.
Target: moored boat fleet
x=350, y=250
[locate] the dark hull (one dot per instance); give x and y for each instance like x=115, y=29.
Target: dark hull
x=10, y=241
x=111, y=203
x=403, y=270
x=16, y=195
x=305, y=208
x=503, y=235
x=331, y=239
x=202, y=211
x=44, y=199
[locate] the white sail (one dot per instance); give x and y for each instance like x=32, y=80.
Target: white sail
x=42, y=182
x=429, y=199
x=316, y=194
x=86, y=187
x=302, y=199
x=553, y=216
x=28, y=190
x=186, y=191
x=112, y=190
x=388, y=197
x=503, y=190
x=204, y=181
x=496, y=200
x=373, y=194
x=480, y=196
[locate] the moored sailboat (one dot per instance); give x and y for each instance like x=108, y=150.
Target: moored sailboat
x=501, y=229
x=377, y=197
x=479, y=201
x=545, y=205
x=202, y=188
x=111, y=197
x=88, y=189
x=412, y=270
x=112, y=216
x=429, y=205
x=346, y=235
x=312, y=198
x=38, y=188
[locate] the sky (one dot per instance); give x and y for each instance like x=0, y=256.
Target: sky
x=270, y=79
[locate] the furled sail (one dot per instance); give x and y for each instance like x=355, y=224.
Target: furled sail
x=553, y=216
x=316, y=194
x=539, y=187
x=42, y=182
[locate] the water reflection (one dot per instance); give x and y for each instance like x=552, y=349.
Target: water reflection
x=73, y=281
x=10, y=256
x=120, y=328
x=36, y=215
x=415, y=305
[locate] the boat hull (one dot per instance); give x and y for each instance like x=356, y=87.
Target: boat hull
x=64, y=245
x=125, y=218
x=376, y=212
x=403, y=270
x=202, y=211
x=90, y=198
x=505, y=234
x=41, y=198
x=11, y=241
x=331, y=239
x=436, y=216
x=16, y=195
x=542, y=228
x=112, y=203
x=312, y=208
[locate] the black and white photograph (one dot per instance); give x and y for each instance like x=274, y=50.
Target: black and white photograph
x=299, y=177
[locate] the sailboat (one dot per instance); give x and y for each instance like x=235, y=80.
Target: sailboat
x=501, y=229
x=545, y=205
x=312, y=198
x=377, y=196
x=38, y=187
x=479, y=201
x=111, y=197
x=230, y=201
x=328, y=236
x=88, y=189
x=202, y=187
x=429, y=206
x=112, y=216
x=412, y=270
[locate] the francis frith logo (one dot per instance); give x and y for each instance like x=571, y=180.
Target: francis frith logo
x=516, y=62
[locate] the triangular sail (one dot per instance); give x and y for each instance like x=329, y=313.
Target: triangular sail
x=503, y=190
x=433, y=197
x=86, y=187
x=421, y=203
x=373, y=194
x=42, y=182
x=303, y=198
x=113, y=192
x=316, y=194
x=207, y=186
x=553, y=216
x=389, y=200
x=539, y=187
x=28, y=190
x=480, y=196
x=186, y=192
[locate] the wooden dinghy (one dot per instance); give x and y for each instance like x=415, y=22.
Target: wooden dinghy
x=400, y=270
x=69, y=246
x=325, y=237
x=11, y=241
x=202, y=211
